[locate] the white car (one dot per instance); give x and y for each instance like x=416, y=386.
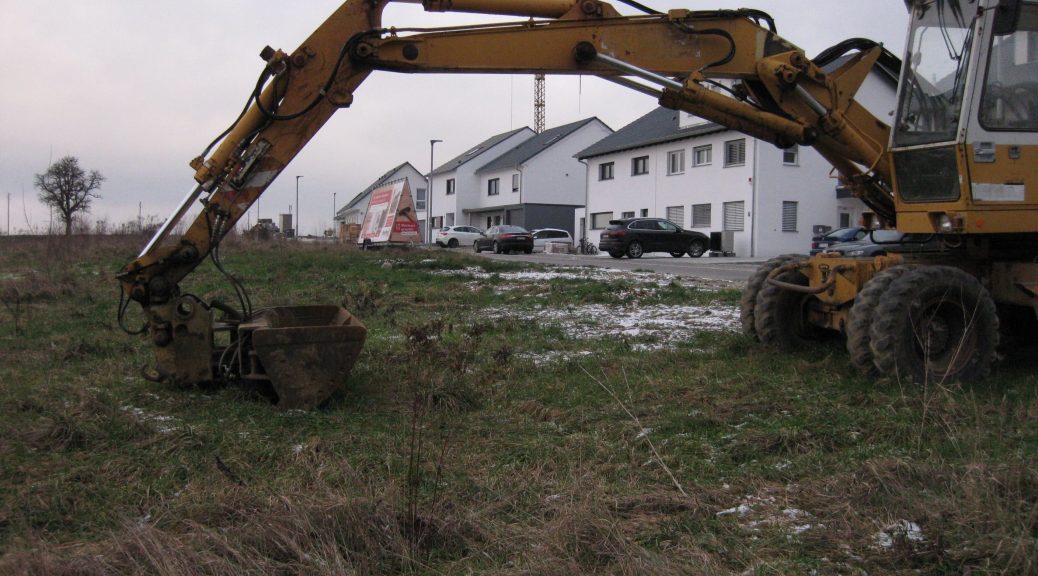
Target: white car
x=454, y=236
x=542, y=236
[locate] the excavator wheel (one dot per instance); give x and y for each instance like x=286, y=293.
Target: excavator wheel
x=935, y=324
x=860, y=319
x=780, y=314
x=748, y=302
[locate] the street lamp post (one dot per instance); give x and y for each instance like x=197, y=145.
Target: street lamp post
x=429, y=191
x=335, y=229
x=298, y=211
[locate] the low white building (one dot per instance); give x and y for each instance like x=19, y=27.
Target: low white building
x=704, y=177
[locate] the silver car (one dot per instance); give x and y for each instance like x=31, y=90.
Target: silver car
x=542, y=236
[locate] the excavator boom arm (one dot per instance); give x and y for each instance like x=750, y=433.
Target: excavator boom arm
x=782, y=97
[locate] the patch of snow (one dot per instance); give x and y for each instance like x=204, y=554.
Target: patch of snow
x=643, y=434
x=902, y=529
x=163, y=424
x=666, y=324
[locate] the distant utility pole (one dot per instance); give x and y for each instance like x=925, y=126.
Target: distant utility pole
x=8, y=213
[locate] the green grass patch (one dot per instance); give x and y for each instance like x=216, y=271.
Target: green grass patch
x=472, y=437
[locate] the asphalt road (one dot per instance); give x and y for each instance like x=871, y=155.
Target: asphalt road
x=735, y=269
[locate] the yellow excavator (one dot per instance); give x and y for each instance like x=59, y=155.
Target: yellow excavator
x=958, y=163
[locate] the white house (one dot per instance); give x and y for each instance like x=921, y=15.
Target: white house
x=704, y=177
x=537, y=184
x=455, y=185
x=353, y=211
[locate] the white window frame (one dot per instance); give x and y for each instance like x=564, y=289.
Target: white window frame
x=735, y=156
x=515, y=182
x=789, y=216
x=676, y=162
x=698, y=210
x=698, y=152
x=640, y=163
x=791, y=156
x=738, y=225
x=628, y=214
x=599, y=220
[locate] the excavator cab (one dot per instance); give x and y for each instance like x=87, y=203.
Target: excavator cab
x=967, y=111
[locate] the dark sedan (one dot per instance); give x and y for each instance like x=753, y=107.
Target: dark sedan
x=882, y=242
x=504, y=239
x=840, y=235
x=636, y=236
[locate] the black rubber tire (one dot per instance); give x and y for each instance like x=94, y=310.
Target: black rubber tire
x=780, y=317
x=859, y=321
x=677, y=254
x=635, y=250
x=696, y=248
x=497, y=248
x=452, y=243
x=748, y=302
x=935, y=324
x=476, y=248
x=616, y=254
x=527, y=250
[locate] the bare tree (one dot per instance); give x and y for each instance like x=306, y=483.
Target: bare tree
x=68, y=189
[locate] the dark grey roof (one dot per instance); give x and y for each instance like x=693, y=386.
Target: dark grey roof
x=476, y=151
x=380, y=181
x=534, y=146
x=656, y=127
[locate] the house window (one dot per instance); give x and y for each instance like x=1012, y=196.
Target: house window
x=450, y=219
x=490, y=221
x=791, y=156
x=450, y=186
x=497, y=220
x=645, y=212
x=419, y=199
x=627, y=214
x=600, y=220
x=702, y=155
x=605, y=171
x=639, y=166
x=676, y=214
x=789, y=216
x=493, y=186
x=675, y=162
x=515, y=182
x=701, y=215
x=845, y=220
x=733, y=215
x=735, y=152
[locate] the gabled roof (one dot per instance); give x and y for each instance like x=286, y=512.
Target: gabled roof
x=534, y=146
x=659, y=126
x=378, y=182
x=476, y=150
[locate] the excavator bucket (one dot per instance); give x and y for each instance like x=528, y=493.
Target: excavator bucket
x=305, y=351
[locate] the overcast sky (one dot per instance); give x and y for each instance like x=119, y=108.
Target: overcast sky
x=136, y=89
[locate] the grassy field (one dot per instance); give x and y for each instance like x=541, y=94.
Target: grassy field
x=502, y=420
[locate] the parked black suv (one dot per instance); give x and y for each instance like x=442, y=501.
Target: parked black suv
x=636, y=236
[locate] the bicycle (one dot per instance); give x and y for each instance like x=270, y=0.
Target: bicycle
x=587, y=248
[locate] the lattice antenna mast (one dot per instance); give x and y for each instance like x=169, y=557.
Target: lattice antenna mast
x=538, y=103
